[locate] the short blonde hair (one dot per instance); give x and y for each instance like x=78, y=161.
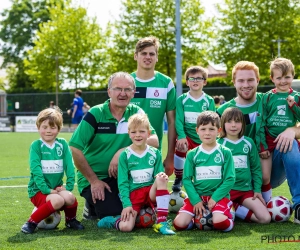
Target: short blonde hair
x=147, y=42
x=54, y=116
x=232, y=114
x=207, y=117
x=138, y=120
x=245, y=65
x=194, y=70
x=284, y=65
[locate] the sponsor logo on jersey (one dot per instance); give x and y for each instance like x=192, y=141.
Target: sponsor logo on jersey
x=142, y=176
x=240, y=161
x=106, y=128
x=52, y=166
x=191, y=117
x=246, y=148
x=211, y=172
x=155, y=104
x=281, y=109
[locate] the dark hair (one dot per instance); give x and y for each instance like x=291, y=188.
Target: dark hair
x=78, y=92
x=232, y=114
x=207, y=117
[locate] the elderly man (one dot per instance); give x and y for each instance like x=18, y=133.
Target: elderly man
x=97, y=143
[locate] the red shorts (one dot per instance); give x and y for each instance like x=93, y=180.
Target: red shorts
x=191, y=145
x=140, y=198
x=223, y=206
x=39, y=199
x=239, y=196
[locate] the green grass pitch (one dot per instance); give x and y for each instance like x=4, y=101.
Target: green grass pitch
x=15, y=209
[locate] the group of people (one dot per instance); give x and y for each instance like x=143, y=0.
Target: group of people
x=117, y=149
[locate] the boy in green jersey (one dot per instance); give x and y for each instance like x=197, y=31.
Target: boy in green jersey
x=275, y=115
x=141, y=180
x=155, y=94
x=50, y=159
x=208, y=177
x=188, y=106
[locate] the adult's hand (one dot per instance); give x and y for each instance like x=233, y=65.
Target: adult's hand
x=285, y=140
x=169, y=165
x=97, y=189
x=113, y=165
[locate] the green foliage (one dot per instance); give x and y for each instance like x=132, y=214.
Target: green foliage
x=157, y=18
x=247, y=29
x=69, y=45
x=18, y=27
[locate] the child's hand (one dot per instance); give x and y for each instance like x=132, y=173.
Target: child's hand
x=199, y=208
x=60, y=188
x=265, y=154
x=259, y=196
x=162, y=175
x=53, y=191
x=182, y=145
x=211, y=203
x=290, y=100
x=126, y=213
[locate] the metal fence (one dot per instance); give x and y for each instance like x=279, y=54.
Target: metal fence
x=30, y=104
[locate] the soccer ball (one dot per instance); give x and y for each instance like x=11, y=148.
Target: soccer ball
x=146, y=218
x=232, y=211
x=176, y=201
x=204, y=221
x=51, y=222
x=280, y=209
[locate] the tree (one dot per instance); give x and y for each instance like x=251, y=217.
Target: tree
x=247, y=30
x=144, y=18
x=19, y=25
x=70, y=45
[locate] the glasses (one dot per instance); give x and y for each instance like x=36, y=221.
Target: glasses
x=119, y=90
x=196, y=79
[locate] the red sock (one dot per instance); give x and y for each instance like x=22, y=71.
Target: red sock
x=162, y=201
x=42, y=212
x=70, y=211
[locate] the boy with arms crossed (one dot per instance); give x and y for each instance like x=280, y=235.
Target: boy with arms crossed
x=188, y=106
x=208, y=177
x=49, y=159
x=141, y=180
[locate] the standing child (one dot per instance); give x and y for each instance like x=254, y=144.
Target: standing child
x=246, y=191
x=141, y=180
x=188, y=106
x=275, y=115
x=208, y=177
x=49, y=159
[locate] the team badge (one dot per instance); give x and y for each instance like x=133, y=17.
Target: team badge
x=59, y=151
x=217, y=158
x=204, y=106
x=151, y=160
x=246, y=148
x=156, y=93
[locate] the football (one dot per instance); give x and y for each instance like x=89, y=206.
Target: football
x=204, y=221
x=280, y=209
x=145, y=218
x=50, y=222
x=232, y=211
x=176, y=201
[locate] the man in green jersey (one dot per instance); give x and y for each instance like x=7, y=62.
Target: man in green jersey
x=97, y=143
x=155, y=94
x=245, y=76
